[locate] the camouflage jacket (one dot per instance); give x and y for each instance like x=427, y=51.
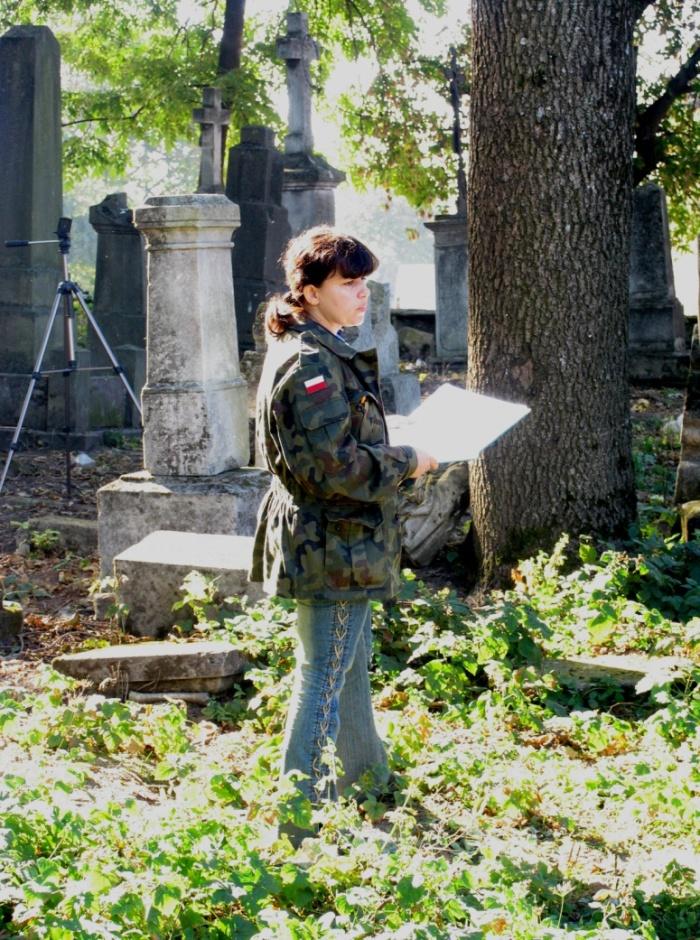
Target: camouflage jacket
x=328, y=526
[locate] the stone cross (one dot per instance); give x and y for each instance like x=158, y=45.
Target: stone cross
x=298, y=49
x=213, y=119
x=457, y=88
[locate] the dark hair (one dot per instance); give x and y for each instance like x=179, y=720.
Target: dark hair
x=310, y=258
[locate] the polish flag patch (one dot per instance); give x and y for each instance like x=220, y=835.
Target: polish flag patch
x=317, y=384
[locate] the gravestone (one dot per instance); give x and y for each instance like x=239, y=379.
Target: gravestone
x=657, y=338
x=309, y=180
x=30, y=206
x=194, y=401
x=451, y=274
x=119, y=308
x=213, y=118
x=400, y=390
x=254, y=182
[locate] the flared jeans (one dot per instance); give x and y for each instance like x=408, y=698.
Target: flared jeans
x=331, y=700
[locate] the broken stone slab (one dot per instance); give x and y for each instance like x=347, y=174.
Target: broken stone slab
x=626, y=670
x=78, y=535
x=150, y=698
x=11, y=623
x=211, y=666
x=149, y=574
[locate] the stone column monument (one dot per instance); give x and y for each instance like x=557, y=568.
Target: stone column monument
x=657, y=338
x=451, y=256
x=254, y=182
x=30, y=206
x=119, y=305
x=451, y=276
x=194, y=401
x=309, y=180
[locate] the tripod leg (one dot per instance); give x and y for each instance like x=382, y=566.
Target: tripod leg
x=105, y=345
x=69, y=352
x=36, y=374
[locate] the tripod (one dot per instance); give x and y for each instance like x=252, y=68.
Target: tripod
x=66, y=292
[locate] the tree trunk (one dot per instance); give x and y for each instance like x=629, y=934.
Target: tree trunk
x=552, y=108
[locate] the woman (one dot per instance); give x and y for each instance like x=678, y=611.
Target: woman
x=328, y=531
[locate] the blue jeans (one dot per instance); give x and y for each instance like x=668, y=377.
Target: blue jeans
x=331, y=698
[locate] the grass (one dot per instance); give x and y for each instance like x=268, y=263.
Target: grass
x=525, y=808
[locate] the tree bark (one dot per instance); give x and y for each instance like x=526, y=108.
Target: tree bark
x=550, y=186
x=232, y=36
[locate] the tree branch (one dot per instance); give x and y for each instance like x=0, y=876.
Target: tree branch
x=105, y=117
x=647, y=139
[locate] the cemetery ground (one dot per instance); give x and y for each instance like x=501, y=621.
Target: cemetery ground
x=524, y=804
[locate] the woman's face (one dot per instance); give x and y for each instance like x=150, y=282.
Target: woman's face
x=339, y=301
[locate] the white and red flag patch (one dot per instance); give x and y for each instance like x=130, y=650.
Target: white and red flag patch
x=317, y=384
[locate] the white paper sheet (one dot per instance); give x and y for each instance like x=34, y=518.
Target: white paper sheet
x=453, y=424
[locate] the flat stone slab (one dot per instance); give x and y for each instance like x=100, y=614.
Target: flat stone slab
x=157, y=666
x=625, y=670
x=150, y=574
x=129, y=508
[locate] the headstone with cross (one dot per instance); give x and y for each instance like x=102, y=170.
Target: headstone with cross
x=309, y=180
x=213, y=118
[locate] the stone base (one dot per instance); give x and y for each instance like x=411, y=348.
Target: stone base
x=658, y=368
x=130, y=508
x=150, y=574
x=401, y=393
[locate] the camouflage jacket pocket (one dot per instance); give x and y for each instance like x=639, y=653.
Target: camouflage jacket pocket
x=366, y=418
x=355, y=550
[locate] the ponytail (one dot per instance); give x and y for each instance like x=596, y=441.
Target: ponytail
x=281, y=312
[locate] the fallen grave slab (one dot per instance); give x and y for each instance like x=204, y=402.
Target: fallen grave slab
x=78, y=535
x=149, y=574
x=157, y=666
x=626, y=670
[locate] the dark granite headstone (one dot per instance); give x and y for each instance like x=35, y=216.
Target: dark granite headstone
x=255, y=182
x=119, y=309
x=30, y=206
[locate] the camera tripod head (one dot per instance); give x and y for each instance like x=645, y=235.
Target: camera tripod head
x=62, y=238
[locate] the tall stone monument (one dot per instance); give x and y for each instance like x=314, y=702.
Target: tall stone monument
x=30, y=206
x=309, y=180
x=194, y=401
x=451, y=254
x=254, y=182
x=119, y=307
x=657, y=338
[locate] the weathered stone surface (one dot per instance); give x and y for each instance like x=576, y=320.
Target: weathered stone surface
x=451, y=294
x=309, y=180
x=149, y=575
x=194, y=401
x=657, y=339
x=626, y=670
x=120, y=310
x=130, y=508
x=158, y=666
x=434, y=512
x=78, y=535
x=30, y=206
x=254, y=182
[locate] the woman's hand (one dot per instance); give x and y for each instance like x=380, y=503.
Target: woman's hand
x=425, y=463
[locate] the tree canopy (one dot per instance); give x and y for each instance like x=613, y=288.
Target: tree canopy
x=136, y=69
